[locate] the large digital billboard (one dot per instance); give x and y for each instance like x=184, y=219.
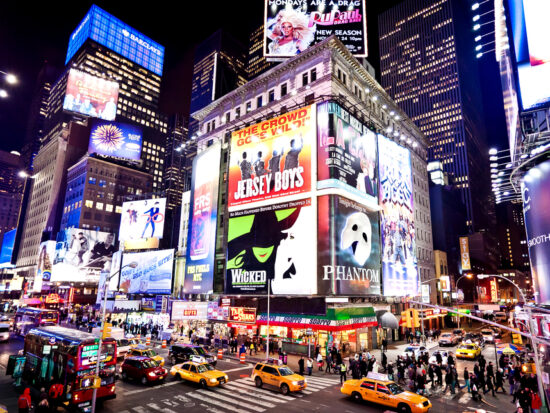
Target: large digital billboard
x=530, y=30
x=8, y=242
x=81, y=254
x=116, y=35
x=91, y=95
x=399, y=265
x=202, y=224
x=348, y=248
x=292, y=26
x=536, y=209
x=46, y=253
x=116, y=139
x=142, y=219
x=272, y=243
x=152, y=275
x=272, y=159
x=346, y=155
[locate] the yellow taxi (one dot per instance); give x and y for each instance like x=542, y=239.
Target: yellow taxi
x=145, y=351
x=279, y=376
x=468, y=351
x=199, y=372
x=377, y=388
x=134, y=342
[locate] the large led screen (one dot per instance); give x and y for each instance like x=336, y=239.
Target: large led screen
x=142, y=219
x=8, y=242
x=346, y=156
x=272, y=159
x=120, y=140
x=81, y=254
x=349, y=248
x=536, y=209
x=91, y=96
x=46, y=253
x=399, y=265
x=203, y=217
x=272, y=243
x=531, y=31
x=152, y=274
x=292, y=26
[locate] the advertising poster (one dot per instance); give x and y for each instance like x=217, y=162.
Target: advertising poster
x=349, y=248
x=536, y=209
x=445, y=283
x=291, y=26
x=272, y=243
x=6, y=252
x=116, y=139
x=142, y=219
x=91, y=96
x=189, y=310
x=81, y=254
x=153, y=274
x=44, y=265
x=113, y=275
x=399, y=264
x=203, y=221
x=346, y=156
x=272, y=159
x=465, y=263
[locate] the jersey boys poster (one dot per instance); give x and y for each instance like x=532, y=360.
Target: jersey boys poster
x=397, y=220
x=349, y=248
x=272, y=159
x=201, y=245
x=272, y=243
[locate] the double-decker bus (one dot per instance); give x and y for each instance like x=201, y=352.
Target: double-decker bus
x=67, y=356
x=27, y=318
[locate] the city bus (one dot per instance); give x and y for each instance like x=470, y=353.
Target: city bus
x=62, y=355
x=27, y=318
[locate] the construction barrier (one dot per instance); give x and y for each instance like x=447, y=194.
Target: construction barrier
x=220, y=354
x=148, y=341
x=243, y=357
x=163, y=343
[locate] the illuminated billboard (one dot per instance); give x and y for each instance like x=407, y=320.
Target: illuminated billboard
x=8, y=242
x=530, y=30
x=81, y=254
x=91, y=95
x=272, y=159
x=348, y=248
x=142, y=219
x=152, y=275
x=346, y=155
x=291, y=27
x=46, y=253
x=116, y=35
x=115, y=139
x=203, y=218
x=399, y=265
x=272, y=243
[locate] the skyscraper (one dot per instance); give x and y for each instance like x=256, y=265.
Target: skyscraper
x=257, y=63
x=11, y=189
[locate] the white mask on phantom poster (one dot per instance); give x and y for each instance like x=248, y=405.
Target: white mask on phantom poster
x=357, y=236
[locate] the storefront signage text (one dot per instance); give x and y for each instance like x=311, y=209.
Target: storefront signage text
x=242, y=314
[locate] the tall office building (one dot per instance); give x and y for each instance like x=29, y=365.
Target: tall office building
x=178, y=160
x=428, y=67
x=11, y=190
x=257, y=63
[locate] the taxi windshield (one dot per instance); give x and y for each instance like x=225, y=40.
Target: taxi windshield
x=149, y=364
x=204, y=367
x=149, y=353
x=285, y=371
x=395, y=389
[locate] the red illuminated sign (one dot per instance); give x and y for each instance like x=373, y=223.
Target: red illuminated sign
x=242, y=315
x=52, y=299
x=190, y=313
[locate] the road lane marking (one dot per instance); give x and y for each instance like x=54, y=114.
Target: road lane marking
x=230, y=400
x=252, y=387
x=157, y=408
x=215, y=402
x=245, y=398
x=258, y=395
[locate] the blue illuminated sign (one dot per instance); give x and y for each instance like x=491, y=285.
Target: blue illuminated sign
x=7, y=249
x=111, y=32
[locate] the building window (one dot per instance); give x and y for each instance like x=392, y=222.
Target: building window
x=89, y=204
x=237, y=113
x=228, y=117
x=305, y=79
x=271, y=96
x=259, y=102
x=99, y=205
x=108, y=207
x=248, y=106
x=102, y=183
x=118, y=209
x=284, y=90
x=313, y=74
x=91, y=180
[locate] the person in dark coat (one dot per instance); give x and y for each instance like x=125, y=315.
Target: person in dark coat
x=449, y=382
x=499, y=381
x=301, y=365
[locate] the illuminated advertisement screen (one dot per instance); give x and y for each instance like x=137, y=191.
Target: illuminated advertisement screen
x=349, y=248
x=46, y=253
x=291, y=27
x=115, y=139
x=536, y=209
x=530, y=30
x=202, y=224
x=272, y=243
x=91, y=96
x=112, y=275
x=346, y=156
x=399, y=267
x=142, y=219
x=152, y=275
x=8, y=241
x=272, y=159
x=116, y=35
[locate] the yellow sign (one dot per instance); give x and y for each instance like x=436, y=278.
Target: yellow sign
x=465, y=254
x=494, y=291
x=517, y=339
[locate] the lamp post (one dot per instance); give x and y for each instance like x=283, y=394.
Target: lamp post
x=133, y=264
x=469, y=276
x=267, y=340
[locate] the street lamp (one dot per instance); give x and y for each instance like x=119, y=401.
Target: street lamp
x=468, y=275
x=9, y=77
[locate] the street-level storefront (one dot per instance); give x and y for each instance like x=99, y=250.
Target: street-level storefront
x=348, y=329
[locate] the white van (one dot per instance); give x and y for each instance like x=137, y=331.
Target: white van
x=500, y=317
x=4, y=332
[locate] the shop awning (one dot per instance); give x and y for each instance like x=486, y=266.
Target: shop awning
x=388, y=320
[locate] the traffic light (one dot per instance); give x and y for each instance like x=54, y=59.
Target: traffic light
x=516, y=339
x=107, y=327
x=406, y=317
x=415, y=319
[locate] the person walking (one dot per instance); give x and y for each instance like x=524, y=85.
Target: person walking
x=490, y=386
x=309, y=366
x=24, y=402
x=320, y=361
x=467, y=379
x=475, y=395
x=449, y=381
x=343, y=370
x=301, y=365
x=536, y=402
x=499, y=381
x=43, y=405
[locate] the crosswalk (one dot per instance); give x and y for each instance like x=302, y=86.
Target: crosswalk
x=240, y=396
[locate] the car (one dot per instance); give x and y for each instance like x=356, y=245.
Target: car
x=4, y=332
x=201, y=373
x=459, y=332
x=377, y=388
x=468, y=351
x=488, y=335
x=414, y=350
x=180, y=353
x=144, y=369
x=277, y=375
x=448, y=339
x=500, y=317
x=134, y=342
x=473, y=338
x=497, y=332
x=123, y=346
x=145, y=351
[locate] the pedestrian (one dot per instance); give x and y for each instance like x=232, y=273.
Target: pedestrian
x=467, y=379
x=490, y=386
x=329, y=363
x=499, y=381
x=251, y=348
x=475, y=395
x=320, y=361
x=449, y=382
x=43, y=405
x=536, y=402
x=343, y=370
x=309, y=366
x=384, y=361
x=301, y=365
x=375, y=366
x=24, y=402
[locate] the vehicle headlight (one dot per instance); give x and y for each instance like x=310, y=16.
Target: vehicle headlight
x=213, y=380
x=294, y=383
x=420, y=405
x=151, y=374
x=226, y=378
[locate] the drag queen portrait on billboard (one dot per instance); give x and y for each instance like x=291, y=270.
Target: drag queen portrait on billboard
x=290, y=33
